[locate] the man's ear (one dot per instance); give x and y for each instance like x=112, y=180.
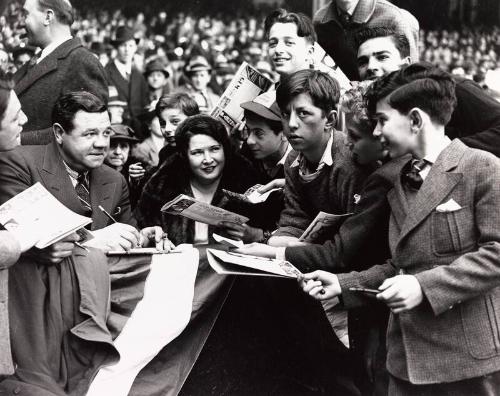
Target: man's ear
x=416, y=119
x=49, y=17
x=331, y=119
x=310, y=54
x=406, y=61
x=58, y=131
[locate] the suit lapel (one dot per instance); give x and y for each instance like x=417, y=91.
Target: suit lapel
x=102, y=191
x=26, y=76
x=57, y=180
x=437, y=185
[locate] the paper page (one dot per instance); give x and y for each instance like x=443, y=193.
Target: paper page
x=324, y=62
x=200, y=211
x=38, y=209
x=322, y=224
x=227, y=241
x=236, y=263
x=246, y=85
x=251, y=195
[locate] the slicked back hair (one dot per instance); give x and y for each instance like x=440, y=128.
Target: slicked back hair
x=63, y=10
x=420, y=85
x=400, y=40
x=323, y=89
x=69, y=104
x=305, y=27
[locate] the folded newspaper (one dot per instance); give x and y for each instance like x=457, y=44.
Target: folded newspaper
x=229, y=263
x=323, y=226
x=193, y=209
x=37, y=210
x=251, y=195
x=246, y=85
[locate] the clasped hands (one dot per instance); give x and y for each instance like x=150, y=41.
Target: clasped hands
x=401, y=293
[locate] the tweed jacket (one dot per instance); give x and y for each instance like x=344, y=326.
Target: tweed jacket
x=27, y=165
x=455, y=255
x=9, y=254
x=333, y=191
x=135, y=92
x=338, y=40
x=70, y=67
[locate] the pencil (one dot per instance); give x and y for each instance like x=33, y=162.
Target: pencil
x=107, y=214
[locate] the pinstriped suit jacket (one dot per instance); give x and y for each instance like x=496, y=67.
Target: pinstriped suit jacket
x=455, y=333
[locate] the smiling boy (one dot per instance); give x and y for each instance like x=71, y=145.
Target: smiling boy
x=442, y=281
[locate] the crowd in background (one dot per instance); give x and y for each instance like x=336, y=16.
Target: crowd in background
x=226, y=42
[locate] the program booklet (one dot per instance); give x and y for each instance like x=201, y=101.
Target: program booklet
x=39, y=211
x=324, y=224
x=246, y=85
x=229, y=263
x=193, y=209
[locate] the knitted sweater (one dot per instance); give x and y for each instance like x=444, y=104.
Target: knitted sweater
x=332, y=191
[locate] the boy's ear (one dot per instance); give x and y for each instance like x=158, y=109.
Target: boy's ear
x=416, y=119
x=331, y=119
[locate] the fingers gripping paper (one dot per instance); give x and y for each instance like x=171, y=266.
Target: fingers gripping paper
x=159, y=318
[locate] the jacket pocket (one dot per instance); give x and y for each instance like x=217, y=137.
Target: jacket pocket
x=452, y=232
x=480, y=324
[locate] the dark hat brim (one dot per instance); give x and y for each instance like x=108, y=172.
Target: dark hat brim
x=261, y=111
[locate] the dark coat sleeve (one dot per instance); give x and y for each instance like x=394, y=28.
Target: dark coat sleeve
x=364, y=234
x=476, y=119
x=125, y=216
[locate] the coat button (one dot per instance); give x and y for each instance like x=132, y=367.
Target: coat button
x=17, y=390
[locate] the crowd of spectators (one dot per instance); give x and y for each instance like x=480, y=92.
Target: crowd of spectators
x=227, y=41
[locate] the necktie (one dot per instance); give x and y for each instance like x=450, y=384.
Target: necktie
x=82, y=190
x=411, y=173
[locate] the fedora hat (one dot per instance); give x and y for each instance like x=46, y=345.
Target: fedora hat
x=122, y=132
x=122, y=35
x=156, y=65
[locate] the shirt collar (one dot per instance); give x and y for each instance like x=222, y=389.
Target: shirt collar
x=283, y=159
x=436, y=149
x=52, y=46
x=326, y=158
x=351, y=9
x=360, y=14
x=125, y=70
x=73, y=174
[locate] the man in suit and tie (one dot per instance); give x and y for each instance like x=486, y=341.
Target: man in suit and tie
x=71, y=168
x=63, y=65
x=59, y=296
x=442, y=281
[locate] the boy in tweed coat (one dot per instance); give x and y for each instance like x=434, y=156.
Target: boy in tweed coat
x=442, y=283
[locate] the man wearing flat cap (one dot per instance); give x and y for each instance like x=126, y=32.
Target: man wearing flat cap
x=125, y=77
x=62, y=66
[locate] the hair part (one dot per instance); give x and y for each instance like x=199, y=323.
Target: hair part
x=400, y=40
x=6, y=86
x=419, y=85
x=67, y=105
x=305, y=27
x=323, y=89
x=181, y=101
x=63, y=10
